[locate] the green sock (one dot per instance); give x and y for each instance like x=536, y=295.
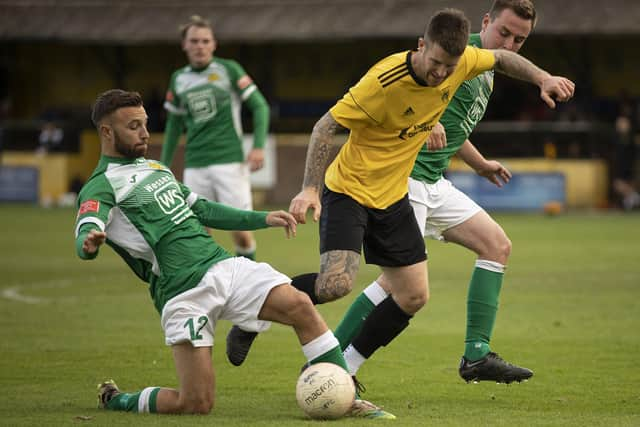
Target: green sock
x=482, y=307
x=332, y=356
x=353, y=320
x=130, y=401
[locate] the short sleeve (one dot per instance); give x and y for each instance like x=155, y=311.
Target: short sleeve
x=241, y=81
x=362, y=106
x=478, y=61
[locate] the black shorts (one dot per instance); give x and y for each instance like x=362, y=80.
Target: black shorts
x=390, y=237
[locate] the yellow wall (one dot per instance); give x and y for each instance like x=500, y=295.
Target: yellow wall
x=586, y=180
x=57, y=170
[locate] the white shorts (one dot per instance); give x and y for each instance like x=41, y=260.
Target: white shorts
x=439, y=206
x=234, y=289
x=227, y=183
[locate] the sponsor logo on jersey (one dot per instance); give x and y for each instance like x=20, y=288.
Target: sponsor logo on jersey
x=243, y=82
x=412, y=131
x=169, y=198
x=89, y=206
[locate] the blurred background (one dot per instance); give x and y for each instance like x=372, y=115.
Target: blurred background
x=57, y=55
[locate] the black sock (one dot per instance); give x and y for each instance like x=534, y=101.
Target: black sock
x=307, y=284
x=385, y=322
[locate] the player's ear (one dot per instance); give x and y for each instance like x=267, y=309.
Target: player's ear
x=105, y=131
x=485, y=21
x=421, y=43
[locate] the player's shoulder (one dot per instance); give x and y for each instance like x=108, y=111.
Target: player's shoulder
x=227, y=63
x=388, y=70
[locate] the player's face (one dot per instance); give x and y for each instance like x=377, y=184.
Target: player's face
x=433, y=64
x=129, y=133
x=506, y=31
x=199, y=46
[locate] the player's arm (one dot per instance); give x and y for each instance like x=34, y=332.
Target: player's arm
x=260, y=113
x=321, y=151
x=172, y=133
x=518, y=67
x=493, y=170
x=223, y=217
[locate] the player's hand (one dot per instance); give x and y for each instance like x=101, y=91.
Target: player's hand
x=307, y=198
x=437, y=139
x=495, y=172
x=283, y=219
x=255, y=159
x=558, y=88
x=93, y=241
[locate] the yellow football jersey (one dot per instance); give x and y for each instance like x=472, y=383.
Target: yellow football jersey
x=390, y=113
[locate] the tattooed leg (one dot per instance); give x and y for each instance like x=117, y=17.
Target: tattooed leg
x=338, y=270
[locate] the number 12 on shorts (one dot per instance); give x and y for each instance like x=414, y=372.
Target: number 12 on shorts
x=194, y=330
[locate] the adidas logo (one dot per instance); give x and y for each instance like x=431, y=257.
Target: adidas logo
x=408, y=112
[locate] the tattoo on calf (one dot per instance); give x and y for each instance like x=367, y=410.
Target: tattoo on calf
x=338, y=270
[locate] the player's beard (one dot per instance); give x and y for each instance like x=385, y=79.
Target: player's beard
x=129, y=151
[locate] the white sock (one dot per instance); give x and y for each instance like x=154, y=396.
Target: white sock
x=353, y=358
x=496, y=267
x=375, y=293
x=320, y=345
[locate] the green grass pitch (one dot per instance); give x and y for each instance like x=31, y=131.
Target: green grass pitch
x=570, y=310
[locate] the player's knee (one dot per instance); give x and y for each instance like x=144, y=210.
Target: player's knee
x=197, y=405
x=502, y=249
x=416, y=302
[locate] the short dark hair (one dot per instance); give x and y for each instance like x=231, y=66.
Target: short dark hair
x=522, y=8
x=449, y=28
x=195, y=21
x=112, y=100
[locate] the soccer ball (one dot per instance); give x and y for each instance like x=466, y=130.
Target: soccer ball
x=325, y=391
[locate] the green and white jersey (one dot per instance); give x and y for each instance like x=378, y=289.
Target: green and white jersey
x=209, y=101
x=156, y=224
x=460, y=118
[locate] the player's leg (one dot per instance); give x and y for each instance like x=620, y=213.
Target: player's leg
x=393, y=241
x=473, y=228
x=343, y=222
x=378, y=290
x=409, y=293
x=188, y=321
x=287, y=305
x=486, y=238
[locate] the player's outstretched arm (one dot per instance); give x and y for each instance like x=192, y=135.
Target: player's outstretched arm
x=322, y=150
x=493, y=170
x=282, y=219
x=551, y=87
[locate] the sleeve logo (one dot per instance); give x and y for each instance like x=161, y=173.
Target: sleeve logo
x=89, y=206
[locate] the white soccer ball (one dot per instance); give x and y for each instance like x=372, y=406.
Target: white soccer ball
x=325, y=391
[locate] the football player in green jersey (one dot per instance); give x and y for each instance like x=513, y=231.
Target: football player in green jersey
x=445, y=213
x=157, y=225
x=205, y=99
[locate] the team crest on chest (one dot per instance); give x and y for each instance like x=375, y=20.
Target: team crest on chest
x=213, y=77
x=445, y=95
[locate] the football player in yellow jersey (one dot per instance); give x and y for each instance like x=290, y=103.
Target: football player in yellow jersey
x=389, y=114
